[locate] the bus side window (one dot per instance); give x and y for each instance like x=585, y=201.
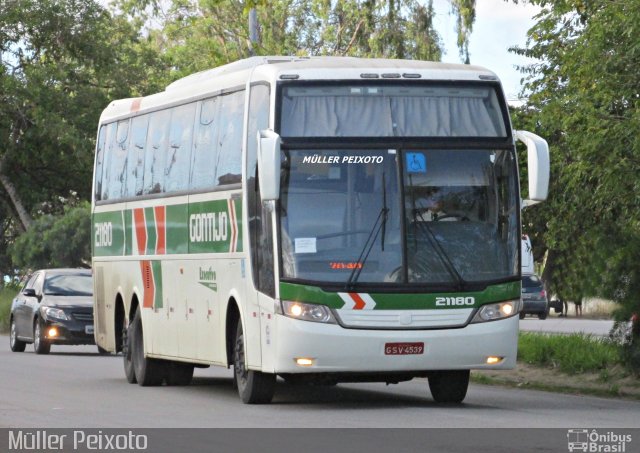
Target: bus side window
x=179, y=151
x=118, y=162
x=100, y=150
x=230, y=120
x=109, y=150
x=135, y=163
x=155, y=152
x=205, y=155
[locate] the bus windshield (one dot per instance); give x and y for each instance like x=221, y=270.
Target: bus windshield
x=422, y=216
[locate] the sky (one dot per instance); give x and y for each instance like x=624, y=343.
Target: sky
x=499, y=25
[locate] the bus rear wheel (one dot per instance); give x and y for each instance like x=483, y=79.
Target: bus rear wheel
x=129, y=372
x=449, y=386
x=254, y=387
x=148, y=371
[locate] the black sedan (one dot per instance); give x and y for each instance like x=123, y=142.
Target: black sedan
x=55, y=306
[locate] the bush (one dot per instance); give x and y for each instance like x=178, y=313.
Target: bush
x=56, y=241
x=572, y=354
x=6, y=296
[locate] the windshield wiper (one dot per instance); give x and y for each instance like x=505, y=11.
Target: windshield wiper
x=379, y=225
x=433, y=240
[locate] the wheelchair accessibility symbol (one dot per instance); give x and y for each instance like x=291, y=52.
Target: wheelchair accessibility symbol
x=416, y=163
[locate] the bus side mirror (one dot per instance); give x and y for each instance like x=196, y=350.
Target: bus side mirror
x=269, y=164
x=538, y=166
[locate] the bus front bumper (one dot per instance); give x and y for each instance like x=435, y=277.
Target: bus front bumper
x=330, y=348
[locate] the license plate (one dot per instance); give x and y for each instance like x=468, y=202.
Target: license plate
x=403, y=348
x=88, y=330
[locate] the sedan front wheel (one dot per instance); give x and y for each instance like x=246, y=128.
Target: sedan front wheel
x=40, y=344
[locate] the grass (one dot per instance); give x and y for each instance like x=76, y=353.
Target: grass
x=7, y=294
x=571, y=354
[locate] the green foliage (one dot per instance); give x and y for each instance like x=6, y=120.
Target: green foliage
x=583, y=94
x=7, y=294
x=56, y=241
x=571, y=354
x=196, y=35
x=61, y=63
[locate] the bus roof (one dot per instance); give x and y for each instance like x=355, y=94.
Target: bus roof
x=271, y=68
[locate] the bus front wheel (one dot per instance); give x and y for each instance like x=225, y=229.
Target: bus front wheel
x=449, y=386
x=254, y=387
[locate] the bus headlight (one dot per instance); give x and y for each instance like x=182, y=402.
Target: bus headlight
x=307, y=312
x=492, y=312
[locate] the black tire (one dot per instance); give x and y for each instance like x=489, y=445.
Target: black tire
x=449, y=386
x=148, y=371
x=16, y=345
x=129, y=372
x=254, y=387
x=543, y=316
x=103, y=351
x=522, y=315
x=40, y=344
x=179, y=373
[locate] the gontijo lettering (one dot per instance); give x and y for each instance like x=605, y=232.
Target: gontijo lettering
x=208, y=227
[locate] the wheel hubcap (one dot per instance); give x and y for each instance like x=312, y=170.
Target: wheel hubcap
x=13, y=333
x=36, y=339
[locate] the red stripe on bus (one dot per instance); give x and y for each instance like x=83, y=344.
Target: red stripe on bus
x=135, y=105
x=148, y=284
x=141, y=230
x=360, y=304
x=161, y=230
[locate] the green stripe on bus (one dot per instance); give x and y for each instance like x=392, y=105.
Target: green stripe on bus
x=401, y=301
x=128, y=232
x=150, y=218
x=156, y=267
x=108, y=234
x=199, y=227
x=177, y=229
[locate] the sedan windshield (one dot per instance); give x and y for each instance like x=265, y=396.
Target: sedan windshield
x=68, y=285
x=427, y=217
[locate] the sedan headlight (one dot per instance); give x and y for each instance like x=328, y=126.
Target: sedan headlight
x=54, y=313
x=307, y=312
x=502, y=310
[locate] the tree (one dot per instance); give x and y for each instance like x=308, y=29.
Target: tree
x=200, y=34
x=56, y=240
x=585, y=94
x=62, y=62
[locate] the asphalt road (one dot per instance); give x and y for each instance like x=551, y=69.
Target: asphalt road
x=76, y=387
x=554, y=324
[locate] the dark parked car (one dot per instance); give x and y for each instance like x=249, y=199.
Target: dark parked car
x=55, y=306
x=534, y=297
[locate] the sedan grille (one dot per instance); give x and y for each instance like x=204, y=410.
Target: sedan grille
x=87, y=317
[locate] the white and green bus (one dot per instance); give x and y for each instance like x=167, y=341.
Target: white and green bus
x=323, y=219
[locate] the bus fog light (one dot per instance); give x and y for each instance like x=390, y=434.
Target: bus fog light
x=304, y=361
x=494, y=360
x=492, y=312
x=308, y=312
